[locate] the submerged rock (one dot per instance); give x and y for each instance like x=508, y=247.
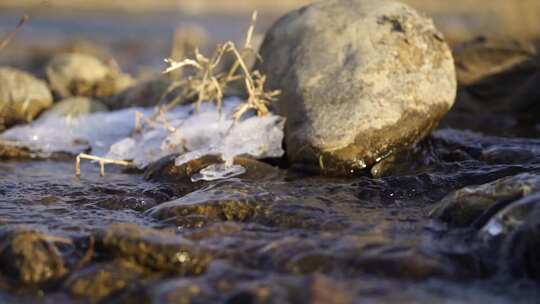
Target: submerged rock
x=30, y=256
x=75, y=107
x=74, y=74
x=101, y=280
x=156, y=250
x=22, y=97
x=223, y=202
x=465, y=206
x=360, y=80
x=512, y=236
x=165, y=169
x=520, y=223
x=270, y=203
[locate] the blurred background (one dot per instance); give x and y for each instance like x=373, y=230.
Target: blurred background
x=140, y=33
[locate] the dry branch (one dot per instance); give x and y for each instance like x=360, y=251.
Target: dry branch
x=102, y=161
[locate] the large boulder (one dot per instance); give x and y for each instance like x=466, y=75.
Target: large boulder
x=22, y=97
x=360, y=80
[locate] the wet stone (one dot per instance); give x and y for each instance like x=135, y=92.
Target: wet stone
x=154, y=249
x=103, y=279
x=513, y=233
x=165, y=169
x=32, y=257
x=521, y=250
x=220, y=202
x=244, y=201
x=465, y=206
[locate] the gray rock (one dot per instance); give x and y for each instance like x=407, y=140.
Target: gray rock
x=497, y=76
x=75, y=106
x=154, y=249
x=22, y=97
x=465, y=206
x=484, y=57
x=145, y=93
x=360, y=79
x=514, y=233
x=74, y=74
x=101, y=280
x=520, y=223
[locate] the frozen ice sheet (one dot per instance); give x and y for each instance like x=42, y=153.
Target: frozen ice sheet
x=180, y=131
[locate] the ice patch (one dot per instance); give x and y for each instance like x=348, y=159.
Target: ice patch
x=52, y=134
x=218, y=171
x=180, y=131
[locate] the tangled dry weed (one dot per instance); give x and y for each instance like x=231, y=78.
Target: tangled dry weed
x=207, y=84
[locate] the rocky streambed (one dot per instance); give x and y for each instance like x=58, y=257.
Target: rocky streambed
x=446, y=215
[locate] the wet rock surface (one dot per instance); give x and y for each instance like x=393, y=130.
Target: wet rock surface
x=164, y=170
x=31, y=257
x=154, y=249
x=360, y=80
x=22, y=97
x=103, y=279
x=466, y=206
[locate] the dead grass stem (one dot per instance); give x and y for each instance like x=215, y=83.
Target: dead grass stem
x=7, y=39
x=208, y=83
x=102, y=162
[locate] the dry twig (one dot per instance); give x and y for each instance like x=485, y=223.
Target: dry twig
x=101, y=160
x=6, y=40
